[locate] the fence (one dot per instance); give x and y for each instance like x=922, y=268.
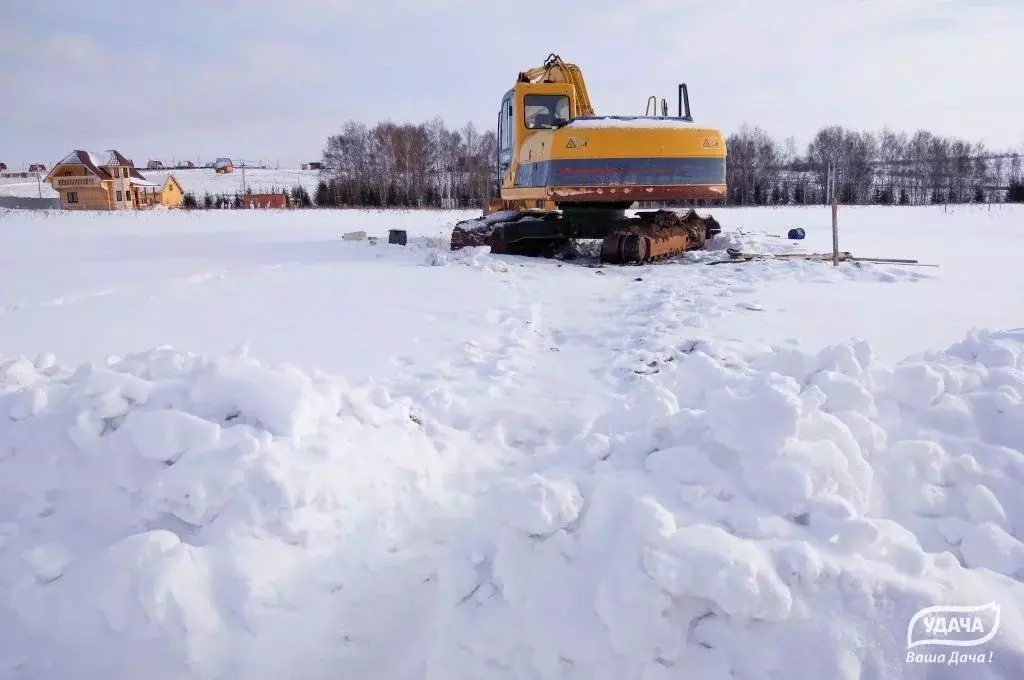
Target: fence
x=29, y=203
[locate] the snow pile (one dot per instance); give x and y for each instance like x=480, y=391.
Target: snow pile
x=764, y=515
x=782, y=516
x=747, y=242
x=169, y=515
x=476, y=257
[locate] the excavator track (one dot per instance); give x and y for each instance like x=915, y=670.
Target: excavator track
x=645, y=237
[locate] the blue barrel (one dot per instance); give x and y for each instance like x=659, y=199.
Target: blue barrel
x=796, y=234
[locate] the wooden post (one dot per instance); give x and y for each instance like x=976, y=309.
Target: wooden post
x=835, y=232
x=835, y=215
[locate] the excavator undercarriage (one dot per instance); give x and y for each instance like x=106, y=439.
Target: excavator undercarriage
x=645, y=237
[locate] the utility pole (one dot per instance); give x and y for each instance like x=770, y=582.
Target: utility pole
x=243, y=178
x=39, y=183
x=833, y=183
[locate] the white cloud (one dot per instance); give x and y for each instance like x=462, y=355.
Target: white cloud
x=268, y=79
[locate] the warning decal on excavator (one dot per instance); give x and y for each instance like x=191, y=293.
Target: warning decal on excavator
x=710, y=142
x=576, y=143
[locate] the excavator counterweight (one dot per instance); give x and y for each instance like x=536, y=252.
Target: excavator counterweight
x=567, y=174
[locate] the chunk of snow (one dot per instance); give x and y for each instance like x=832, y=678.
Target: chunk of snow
x=539, y=506
x=48, y=561
x=917, y=385
x=166, y=434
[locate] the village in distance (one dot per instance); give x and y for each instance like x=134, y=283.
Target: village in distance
x=108, y=180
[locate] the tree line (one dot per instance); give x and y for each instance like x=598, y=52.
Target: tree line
x=427, y=165
x=410, y=165
x=886, y=167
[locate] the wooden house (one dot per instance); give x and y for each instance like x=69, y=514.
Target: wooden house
x=223, y=166
x=88, y=180
x=154, y=165
x=37, y=167
x=3, y=166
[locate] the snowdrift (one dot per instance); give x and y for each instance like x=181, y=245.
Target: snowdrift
x=782, y=515
x=785, y=518
x=169, y=516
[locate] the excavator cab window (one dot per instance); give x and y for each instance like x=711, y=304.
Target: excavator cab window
x=544, y=110
x=506, y=137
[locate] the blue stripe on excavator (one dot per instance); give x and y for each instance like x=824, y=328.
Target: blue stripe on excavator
x=589, y=172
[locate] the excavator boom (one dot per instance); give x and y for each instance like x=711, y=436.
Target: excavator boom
x=555, y=70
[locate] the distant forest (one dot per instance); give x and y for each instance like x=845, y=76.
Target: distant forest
x=428, y=165
x=886, y=167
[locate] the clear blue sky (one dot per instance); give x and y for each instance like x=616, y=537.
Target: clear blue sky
x=254, y=79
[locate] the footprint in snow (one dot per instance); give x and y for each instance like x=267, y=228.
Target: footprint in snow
x=203, y=278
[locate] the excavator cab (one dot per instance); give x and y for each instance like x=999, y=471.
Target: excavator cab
x=527, y=110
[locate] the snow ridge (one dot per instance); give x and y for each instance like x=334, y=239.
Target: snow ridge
x=168, y=513
x=770, y=514
x=785, y=518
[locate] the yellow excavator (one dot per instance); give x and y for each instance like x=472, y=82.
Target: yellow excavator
x=567, y=174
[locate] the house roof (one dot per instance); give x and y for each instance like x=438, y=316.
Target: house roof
x=95, y=161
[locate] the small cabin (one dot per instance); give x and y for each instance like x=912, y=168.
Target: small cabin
x=223, y=166
x=170, y=195
x=264, y=201
x=154, y=165
x=313, y=165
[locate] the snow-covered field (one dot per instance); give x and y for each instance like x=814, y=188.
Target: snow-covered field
x=25, y=188
x=232, y=445
x=198, y=181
